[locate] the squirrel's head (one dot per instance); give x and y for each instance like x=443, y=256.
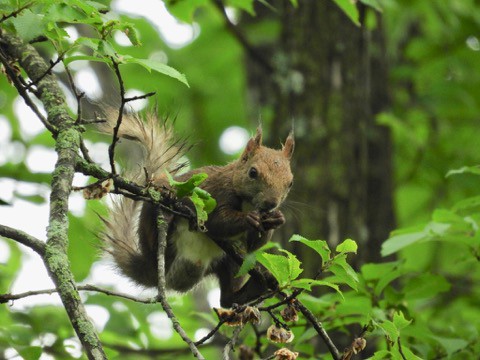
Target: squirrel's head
x=263, y=175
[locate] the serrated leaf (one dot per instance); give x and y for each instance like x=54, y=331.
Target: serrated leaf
x=159, y=67
x=307, y=284
x=347, y=246
x=184, y=188
x=29, y=25
x=251, y=258
x=283, y=268
x=400, y=321
x=343, y=272
x=350, y=9
x=389, y=329
x=204, y=204
x=320, y=246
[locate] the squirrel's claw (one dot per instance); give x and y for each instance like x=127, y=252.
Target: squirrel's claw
x=272, y=220
x=254, y=220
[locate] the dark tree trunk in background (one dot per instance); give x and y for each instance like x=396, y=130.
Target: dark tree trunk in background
x=330, y=78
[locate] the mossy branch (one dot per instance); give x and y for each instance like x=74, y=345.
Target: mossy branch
x=67, y=145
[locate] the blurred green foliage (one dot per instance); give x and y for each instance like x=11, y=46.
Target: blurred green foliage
x=428, y=297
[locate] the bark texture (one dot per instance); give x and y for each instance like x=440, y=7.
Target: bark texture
x=330, y=79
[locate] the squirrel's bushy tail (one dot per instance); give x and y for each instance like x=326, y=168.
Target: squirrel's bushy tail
x=161, y=152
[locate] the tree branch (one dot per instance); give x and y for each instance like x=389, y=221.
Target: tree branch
x=251, y=51
x=67, y=145
x=231, y=344
x=162, y=298
x=317, y=325
x=23, y=238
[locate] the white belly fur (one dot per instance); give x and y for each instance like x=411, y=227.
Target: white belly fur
x=195, y=246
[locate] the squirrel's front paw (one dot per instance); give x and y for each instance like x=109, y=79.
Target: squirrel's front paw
x=255, y=221
x=272, y=219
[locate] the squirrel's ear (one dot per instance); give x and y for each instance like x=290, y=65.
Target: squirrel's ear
x=289, y=146
x=253, y=144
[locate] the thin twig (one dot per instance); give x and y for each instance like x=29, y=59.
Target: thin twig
x=21, y=90
x=140, y=97
x=211, y=333
x=115, y=138
x=317, y=325
x=16, y=12
x=12, y=297
x=23, y=238
x=162, y=245
x=400, y=350
x=231, y=344
x=47, y=72
x=254, y=54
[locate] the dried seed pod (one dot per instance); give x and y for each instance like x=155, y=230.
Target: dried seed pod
x=289, y=313
x=251, y=314
x=98, y=190
x=358, y=345
x=279, y=335
x=285, y=354
x=231, y=317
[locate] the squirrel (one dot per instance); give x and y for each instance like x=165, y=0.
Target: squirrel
x=248, y=192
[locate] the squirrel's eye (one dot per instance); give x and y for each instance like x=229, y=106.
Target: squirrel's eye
x=253, y=173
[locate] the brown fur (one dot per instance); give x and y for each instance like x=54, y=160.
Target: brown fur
x=245, y=216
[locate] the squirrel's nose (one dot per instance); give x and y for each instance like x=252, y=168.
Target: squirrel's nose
x=268, y=205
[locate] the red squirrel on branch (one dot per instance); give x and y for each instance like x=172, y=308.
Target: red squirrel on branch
x=248, y=192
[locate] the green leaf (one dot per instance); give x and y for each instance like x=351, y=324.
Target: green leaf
x=203, y=203
x=347, y=246
x=159, y=67
x=384, y=274
x=71, y=59
x=451, y=345
x=35, y=199
x=398, y=242
x=30, y=352
x=350, y=9
x=425, y=286
x=382, y=354
x=320, y=246
x=283, y=268
x=185, y=188
x=307, y=284
x=184, y=10
x=251, y=258
x=375, y=4
x=389, y=329
x=3, y=202
x=400, y=321
x=344, y=274
x=465, y=170
x=29, y=25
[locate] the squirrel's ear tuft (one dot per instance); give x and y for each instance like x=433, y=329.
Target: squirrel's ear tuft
x=289, y=146
x=253, y=144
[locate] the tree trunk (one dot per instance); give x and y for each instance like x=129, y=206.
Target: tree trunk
x=330, y=80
